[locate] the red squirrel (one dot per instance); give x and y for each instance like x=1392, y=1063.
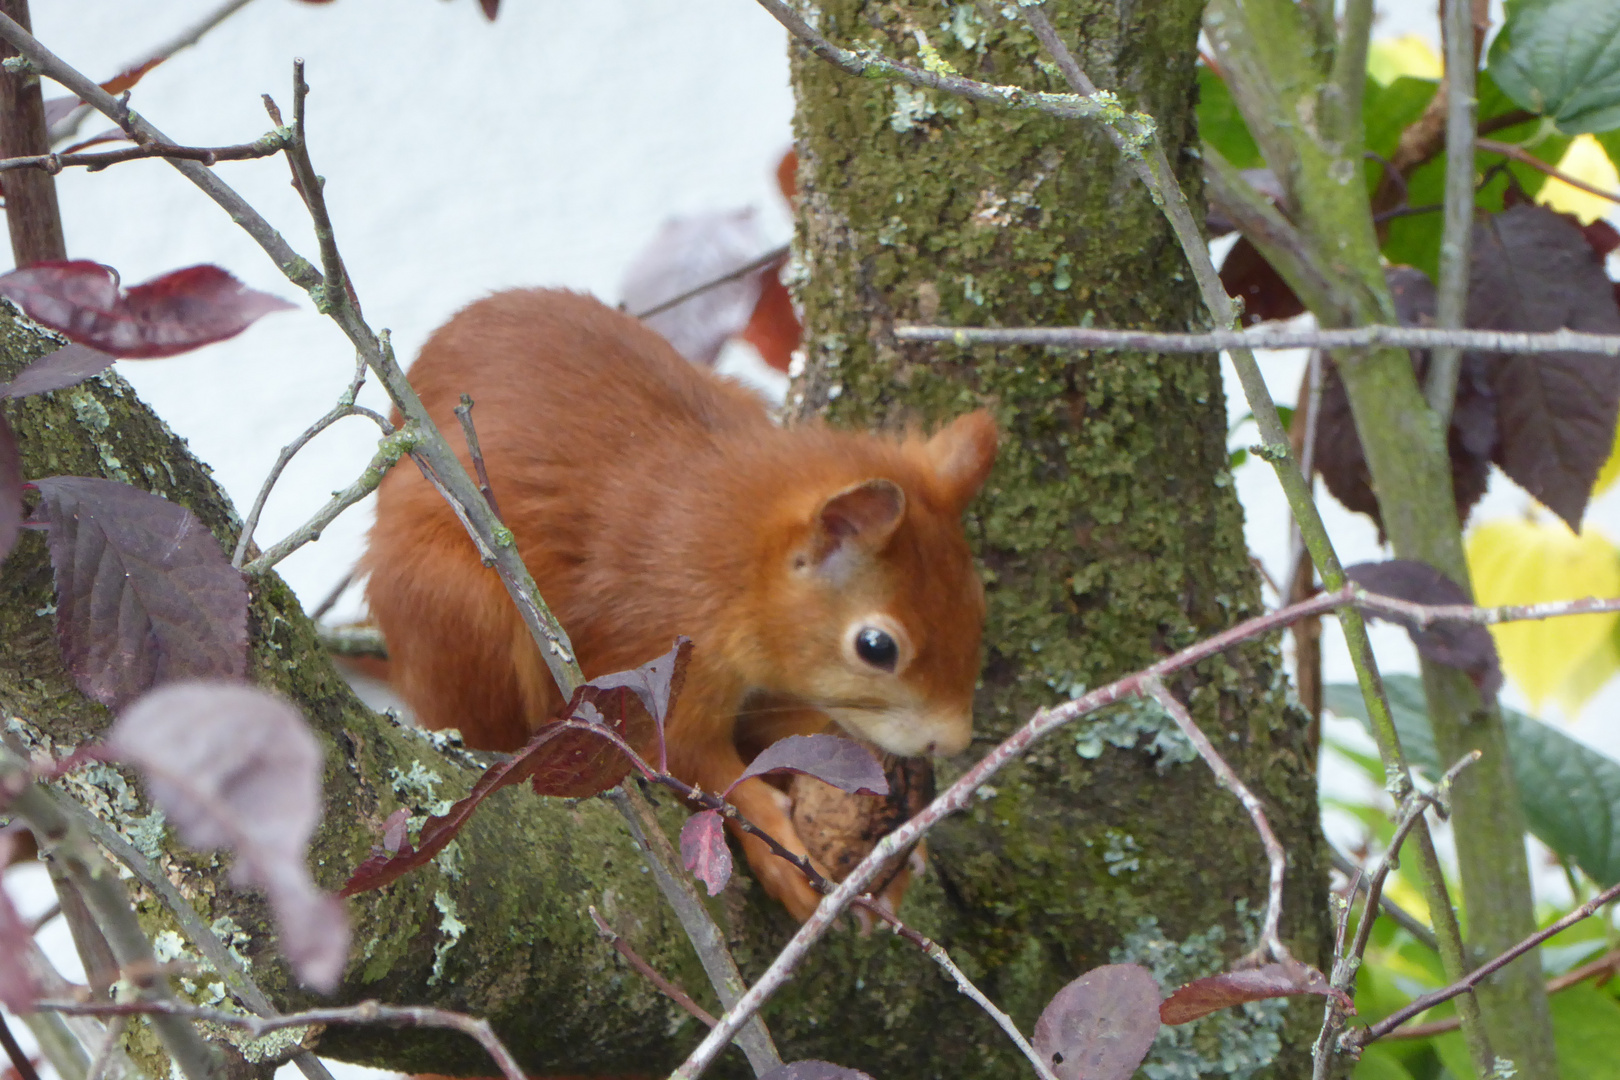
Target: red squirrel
x=822, y=573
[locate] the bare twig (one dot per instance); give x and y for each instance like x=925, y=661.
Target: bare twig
x=207, y=155
x=14, y=1051
x=390, y=448
x=1479, y=974
x=464, y=414
x=1043, y=1069
x=706, y=938
x=366, y=1012
x=1270, y=941
x=1446, y=361
x=345, y=407
x=1524, y=157
x=192, y=34
x=652, y=975
x=1401, y=917
x=1361, y=337
x=1603, y=967
x=776, y=254
x=332, y=596
x=353, y=641
x=106, y=1053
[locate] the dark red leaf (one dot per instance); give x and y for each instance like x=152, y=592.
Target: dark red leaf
x=687, y=253
x=126, y=79
x=67, y=366
x=704, y=850
x=1101, y=1025
x=171, y=314
x=17, y=990
x=814, y=1070
x=100, y=138
x=57, y=109
x=490, y=7
x=845, y=765
x=1247, y=275
x=1204, y=996
x=774, y=328
x=1532, y=270
x=144, y=595
x=1470, y=440
x=11, y=489
x=232, y=766
x=394, y=839
x=1467, y=646
x=657, y=682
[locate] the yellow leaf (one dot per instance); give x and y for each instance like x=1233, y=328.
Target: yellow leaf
x=1611, y=468
x=1390, y=58
x=1532, y=562
x=1584, y=160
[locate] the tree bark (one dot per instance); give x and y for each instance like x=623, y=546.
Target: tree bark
x=1109, y=532
x=31, y=213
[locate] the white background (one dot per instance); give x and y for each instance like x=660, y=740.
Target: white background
x=463, y=157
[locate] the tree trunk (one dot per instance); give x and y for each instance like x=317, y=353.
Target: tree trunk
x=1109, y=532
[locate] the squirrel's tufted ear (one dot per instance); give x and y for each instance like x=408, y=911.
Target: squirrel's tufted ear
x=864, y=515
x=961, y=454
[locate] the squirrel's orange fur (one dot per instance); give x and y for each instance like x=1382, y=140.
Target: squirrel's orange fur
x=651, y=498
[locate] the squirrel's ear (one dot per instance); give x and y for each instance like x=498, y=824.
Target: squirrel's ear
x=961, y=454
x=866, y=515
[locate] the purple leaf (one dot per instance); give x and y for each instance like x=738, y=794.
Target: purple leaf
x=1101, y=1025
x=1204, y=996
x=394, y=838
x=57, y=370
x=11, y=489
x=233, y=766
x=704, y=850
x=143, y=592
x=846, y=765
x=657, y=682
x=171, y=314
x=814, y=1070
x=1467, y=646
x=17, y=990
x=57, y=109
x=1533, y=269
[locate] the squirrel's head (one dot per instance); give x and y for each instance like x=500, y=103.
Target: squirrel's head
x=878, y=608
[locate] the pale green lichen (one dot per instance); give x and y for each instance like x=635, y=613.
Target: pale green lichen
x=449, y=861
x=1126, y=725
x=451, y=926
x=912, y=106
x=419, y=787
x=1122, y=853
x=1237, y=1043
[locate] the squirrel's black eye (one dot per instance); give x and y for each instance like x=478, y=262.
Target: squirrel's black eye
x=876, y=648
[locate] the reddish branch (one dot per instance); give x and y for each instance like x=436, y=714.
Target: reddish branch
x=652, y=974
x=1603, y=968
x=208, y=155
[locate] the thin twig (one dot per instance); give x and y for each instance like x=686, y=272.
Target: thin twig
x=652, y=974
x=464, y=414
x=1445, y=363
x=706, y=938
x=366, y=1012
x=1270, y=939
x=207, y=155
x=106, y=1053
x=333, y=595
x=1604, y=966
x=1524, y=157
x=1479, y=974
x=776, y=254
x=390, y=448
x=1265, y=337
x=345, y=407
x=366, y=640
x=1399, y=915
x=1043, y=1068
x=14, y=1051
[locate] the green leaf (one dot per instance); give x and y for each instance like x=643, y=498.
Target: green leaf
x=1387, y=110
x=1221, y=124
x=1610, y=141
x=1570, y=792
x=1585, y=1021
x=1379, y=1063
x=1561, y=58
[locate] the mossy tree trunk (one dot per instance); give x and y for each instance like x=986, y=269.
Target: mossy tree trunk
x=1109, y=531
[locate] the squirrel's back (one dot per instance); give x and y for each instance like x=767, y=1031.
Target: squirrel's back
x=651, y=498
